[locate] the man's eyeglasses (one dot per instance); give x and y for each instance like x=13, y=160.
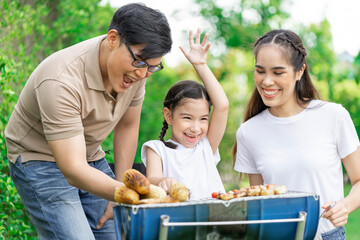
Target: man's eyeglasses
x=141, y=63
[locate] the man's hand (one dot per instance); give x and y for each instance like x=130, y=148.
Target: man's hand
x=108, y=214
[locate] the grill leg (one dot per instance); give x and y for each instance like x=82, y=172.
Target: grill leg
x=163, y=233
x=300, y=230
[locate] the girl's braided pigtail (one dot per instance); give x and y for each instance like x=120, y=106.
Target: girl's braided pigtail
x=162, y=135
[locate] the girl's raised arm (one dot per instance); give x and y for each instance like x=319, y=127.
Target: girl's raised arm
x=197, y=57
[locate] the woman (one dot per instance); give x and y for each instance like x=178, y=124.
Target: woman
x=291, y=137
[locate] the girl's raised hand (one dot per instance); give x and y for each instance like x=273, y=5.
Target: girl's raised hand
x=198, y=51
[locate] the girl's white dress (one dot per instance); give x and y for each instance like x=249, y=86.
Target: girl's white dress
x=194, y=167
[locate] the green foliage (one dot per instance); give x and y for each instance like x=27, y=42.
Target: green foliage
x=238, y=26
x=347, y=94
x=14, y=222
x=357, y=68
x=245, y=20
x=238, y=66
x=321, y=57
x=352, y=226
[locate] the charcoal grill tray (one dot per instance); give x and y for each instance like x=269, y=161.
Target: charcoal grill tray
x=144, y=221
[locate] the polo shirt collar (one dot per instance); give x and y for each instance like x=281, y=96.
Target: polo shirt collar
x=92, y=65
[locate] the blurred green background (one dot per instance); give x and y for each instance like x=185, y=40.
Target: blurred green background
x=31, y=30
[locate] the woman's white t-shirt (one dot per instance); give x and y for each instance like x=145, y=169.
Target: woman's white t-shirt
x=302, y=152
x=194, y=167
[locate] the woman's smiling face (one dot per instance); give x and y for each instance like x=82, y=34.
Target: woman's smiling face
x=275, y=80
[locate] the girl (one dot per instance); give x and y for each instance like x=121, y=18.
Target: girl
x=291, y=137
x=191, y=155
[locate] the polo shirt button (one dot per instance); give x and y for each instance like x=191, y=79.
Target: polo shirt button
x=110, y=101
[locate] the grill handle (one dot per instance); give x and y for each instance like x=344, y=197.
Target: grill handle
x=165, y=223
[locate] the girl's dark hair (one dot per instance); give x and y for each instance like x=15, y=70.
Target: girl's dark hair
x=139, y=24
x=293, y=49
x=177, y=95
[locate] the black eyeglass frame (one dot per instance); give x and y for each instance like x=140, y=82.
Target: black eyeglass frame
x=138, y=63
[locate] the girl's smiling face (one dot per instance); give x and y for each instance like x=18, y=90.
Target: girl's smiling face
x=275, y=81
x=189, y=121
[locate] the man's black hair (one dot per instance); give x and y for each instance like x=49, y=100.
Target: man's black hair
x=139, y=24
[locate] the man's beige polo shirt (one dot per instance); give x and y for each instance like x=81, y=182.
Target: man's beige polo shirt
x=64, y=97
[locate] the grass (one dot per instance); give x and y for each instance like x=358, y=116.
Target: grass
x=352, y=226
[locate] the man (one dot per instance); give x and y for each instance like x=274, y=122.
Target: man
x=70, y=104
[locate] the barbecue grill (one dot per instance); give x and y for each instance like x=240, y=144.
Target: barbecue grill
x=293, y=215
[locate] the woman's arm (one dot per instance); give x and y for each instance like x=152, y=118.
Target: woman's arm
x=197, y=57
x=338, y=215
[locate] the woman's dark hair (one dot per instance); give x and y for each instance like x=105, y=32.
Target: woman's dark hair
x=177, y=95
x=293, y=49
x=139, y=24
